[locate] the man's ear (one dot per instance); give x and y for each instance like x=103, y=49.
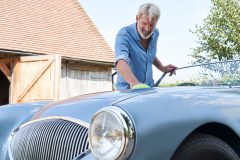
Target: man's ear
x=136, y=17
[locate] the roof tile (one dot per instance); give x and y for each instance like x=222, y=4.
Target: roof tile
x=51, y=27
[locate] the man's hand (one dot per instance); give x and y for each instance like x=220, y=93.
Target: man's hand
x=124, y=69
x=140, y=86
x=169, y=68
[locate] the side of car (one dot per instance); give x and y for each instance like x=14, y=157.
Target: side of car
x=175, y=118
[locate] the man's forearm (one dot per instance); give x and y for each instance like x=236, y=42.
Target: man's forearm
x=124, y=69
x=157, y=63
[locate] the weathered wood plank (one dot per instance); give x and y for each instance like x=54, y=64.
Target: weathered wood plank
x=57, y=76
x=35, y=58
x=78, y=80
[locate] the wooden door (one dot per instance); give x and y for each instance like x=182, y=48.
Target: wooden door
x=5, y=79
x=35, y=78
x=84, y=79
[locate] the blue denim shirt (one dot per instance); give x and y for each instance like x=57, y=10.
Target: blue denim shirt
x=140, y=60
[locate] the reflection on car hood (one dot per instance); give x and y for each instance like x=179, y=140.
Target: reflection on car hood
x=83, y=107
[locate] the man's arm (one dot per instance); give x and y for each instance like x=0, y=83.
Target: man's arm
x=168, y=68
x=157, y=63
x=124, y=69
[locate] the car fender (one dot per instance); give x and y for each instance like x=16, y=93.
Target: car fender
x=11, y=117
x=165, y=119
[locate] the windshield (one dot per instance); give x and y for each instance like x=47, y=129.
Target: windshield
x=209, y=74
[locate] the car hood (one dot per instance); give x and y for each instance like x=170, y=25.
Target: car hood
x=83, y=107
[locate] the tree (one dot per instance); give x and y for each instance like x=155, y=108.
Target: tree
x=219, y=36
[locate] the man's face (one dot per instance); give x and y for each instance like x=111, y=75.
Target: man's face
x=146, y=25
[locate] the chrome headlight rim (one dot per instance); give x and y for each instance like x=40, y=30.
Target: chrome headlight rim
x=127, y=126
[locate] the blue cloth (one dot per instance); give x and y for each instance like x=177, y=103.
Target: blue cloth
x=140, y=60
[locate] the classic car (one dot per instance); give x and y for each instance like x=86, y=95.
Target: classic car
x=161, y=123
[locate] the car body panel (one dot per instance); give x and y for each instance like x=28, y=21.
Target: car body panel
x=174, y=113
x=11, y=117
x=83, y=107
x=163, y=117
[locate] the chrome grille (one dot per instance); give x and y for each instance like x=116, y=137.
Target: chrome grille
x=49, y=139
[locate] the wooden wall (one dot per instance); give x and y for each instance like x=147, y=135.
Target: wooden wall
x=49, y=77
x=83, y=79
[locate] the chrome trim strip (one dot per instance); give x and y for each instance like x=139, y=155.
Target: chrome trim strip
x=9, y=147
x=74, y=120
x=82, y=155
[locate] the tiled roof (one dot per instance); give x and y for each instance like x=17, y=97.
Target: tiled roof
x=51, y=27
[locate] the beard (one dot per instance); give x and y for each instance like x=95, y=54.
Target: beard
x=144, y=34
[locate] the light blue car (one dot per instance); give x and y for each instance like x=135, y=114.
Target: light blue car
x=166, y=123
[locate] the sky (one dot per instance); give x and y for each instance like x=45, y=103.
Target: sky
x=177, y=18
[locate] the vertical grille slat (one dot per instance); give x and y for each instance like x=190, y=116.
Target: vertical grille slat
x=60, y=150
x=83, y=140
x=77, y=140
x=68, y=146
x=55, y=144
x=49, y=139
x=71, y=141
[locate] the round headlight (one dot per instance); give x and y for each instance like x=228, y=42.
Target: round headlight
x=111, y=134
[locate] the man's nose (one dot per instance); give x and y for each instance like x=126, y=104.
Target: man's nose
x=147, y=28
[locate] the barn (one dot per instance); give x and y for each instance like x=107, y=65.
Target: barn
x=50, y=50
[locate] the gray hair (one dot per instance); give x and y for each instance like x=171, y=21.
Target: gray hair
x=149, y=9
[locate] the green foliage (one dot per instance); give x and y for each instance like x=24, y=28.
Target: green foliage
x=207, y=80
x=226, y=68
x=233, y=80
x=219, y=36
x=224, y=76
x=194, y=81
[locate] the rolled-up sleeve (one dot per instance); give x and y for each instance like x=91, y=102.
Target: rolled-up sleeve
x=121, y=47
